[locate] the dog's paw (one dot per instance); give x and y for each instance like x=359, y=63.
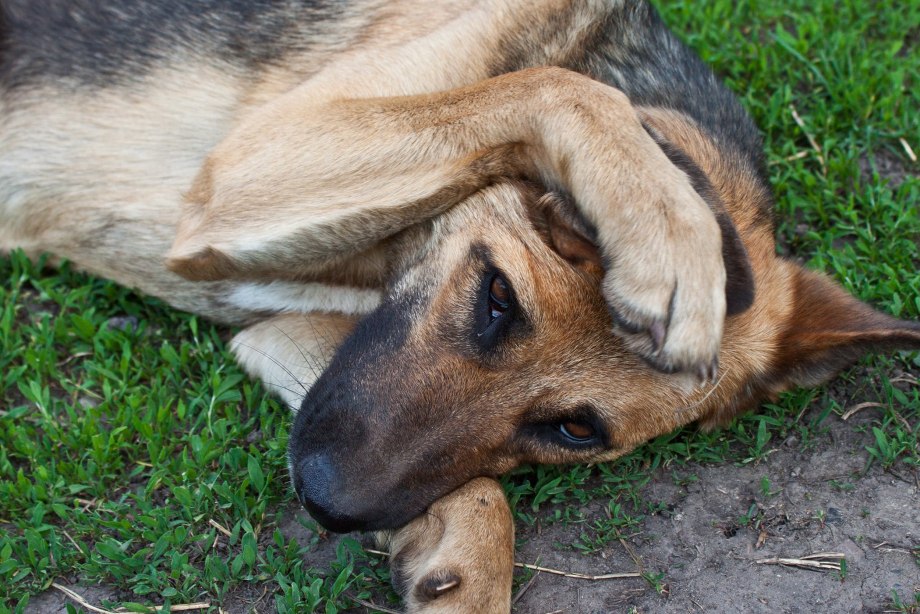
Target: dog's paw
x=665, y=283
x=435, y=585
x=459, y=555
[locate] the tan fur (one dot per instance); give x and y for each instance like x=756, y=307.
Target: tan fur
x=458, y=557
x=289, y=351
x=322, y=165
x=293, y=197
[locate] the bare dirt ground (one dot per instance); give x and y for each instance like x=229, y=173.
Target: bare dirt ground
x=819, y=501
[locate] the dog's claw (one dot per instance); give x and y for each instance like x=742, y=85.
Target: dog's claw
x=707, y=373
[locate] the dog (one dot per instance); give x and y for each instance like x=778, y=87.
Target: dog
x=513, y=232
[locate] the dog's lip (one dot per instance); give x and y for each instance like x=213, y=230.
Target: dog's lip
x=339, y=524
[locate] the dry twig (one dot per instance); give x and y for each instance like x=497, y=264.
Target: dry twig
x=811, y=139
x=822, y=560
x=182, y=607
x=580, y=576
x=846, y=415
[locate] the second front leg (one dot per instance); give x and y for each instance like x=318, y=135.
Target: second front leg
x=308, y=182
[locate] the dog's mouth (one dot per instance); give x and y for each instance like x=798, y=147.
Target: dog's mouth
x=342, y=503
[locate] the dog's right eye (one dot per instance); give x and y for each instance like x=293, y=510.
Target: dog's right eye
x=499, y=297
x=494, y=310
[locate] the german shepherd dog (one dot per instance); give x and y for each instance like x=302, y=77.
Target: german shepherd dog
x=522, y=232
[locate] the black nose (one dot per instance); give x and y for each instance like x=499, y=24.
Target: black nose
x=315, y=484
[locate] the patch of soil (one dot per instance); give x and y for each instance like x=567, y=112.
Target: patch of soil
x=53, y=601
x=890, y=168
x=716, y=527
x=295, y=523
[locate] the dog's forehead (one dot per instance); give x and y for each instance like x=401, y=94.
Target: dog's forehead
x=500, y=219
x=498, y=206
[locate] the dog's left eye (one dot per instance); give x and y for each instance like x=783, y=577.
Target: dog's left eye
x=577, y=431
x=499, y=297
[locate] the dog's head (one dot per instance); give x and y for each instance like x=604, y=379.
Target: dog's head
x=492, y=347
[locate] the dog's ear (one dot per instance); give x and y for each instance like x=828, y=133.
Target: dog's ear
x=571, y=237
x=556, y=220
x=829, y=329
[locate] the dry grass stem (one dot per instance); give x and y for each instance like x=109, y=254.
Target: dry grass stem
x=219, y=527
x=796, y=156
x=811, y=139
x=856, y=408
x=822, y=560
x=182, y=607
x=907, y=149
x=524, y=588
x=76, y=545
x=79, y=599
x=374, y=606
x=580, y=576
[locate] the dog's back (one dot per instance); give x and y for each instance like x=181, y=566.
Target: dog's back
x=89, y=44
x=109, y=108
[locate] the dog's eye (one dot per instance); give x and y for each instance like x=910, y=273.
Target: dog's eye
x=499, y=297
x=576, y=431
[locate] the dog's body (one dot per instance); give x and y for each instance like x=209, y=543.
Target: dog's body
x=375, y=157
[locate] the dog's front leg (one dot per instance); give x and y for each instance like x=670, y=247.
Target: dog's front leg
x=308, y=181
x=459, y=555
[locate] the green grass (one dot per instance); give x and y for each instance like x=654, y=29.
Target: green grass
x=121, y=446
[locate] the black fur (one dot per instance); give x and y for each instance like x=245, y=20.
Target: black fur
x=103, y=42
x=632, y=49
x=739, y=282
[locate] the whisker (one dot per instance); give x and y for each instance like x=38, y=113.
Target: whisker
x=281, y=365
x=285, y=388
x=706, y=396
x=324, y=338
x=306, y=356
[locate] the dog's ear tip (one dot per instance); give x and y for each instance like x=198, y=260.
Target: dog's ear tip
x=829, y=329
